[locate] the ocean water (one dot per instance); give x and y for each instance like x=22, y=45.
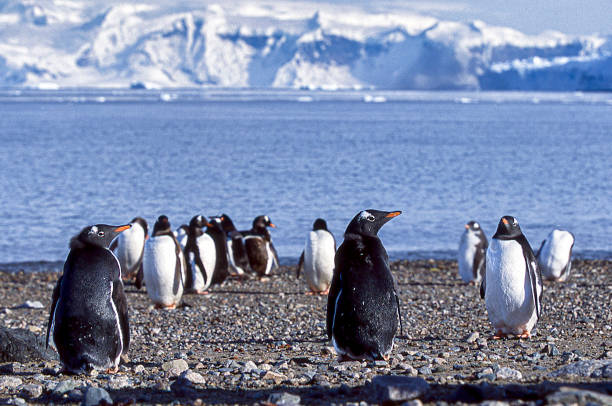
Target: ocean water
x=73, y=158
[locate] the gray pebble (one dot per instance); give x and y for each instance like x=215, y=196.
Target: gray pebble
x=93, y=396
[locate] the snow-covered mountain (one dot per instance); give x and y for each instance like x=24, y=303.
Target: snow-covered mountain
x=72, y=43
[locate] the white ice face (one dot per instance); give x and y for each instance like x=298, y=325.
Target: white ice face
x=93, y=230
x=476, y=226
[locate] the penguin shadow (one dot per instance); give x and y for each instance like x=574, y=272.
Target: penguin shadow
x=268, y=341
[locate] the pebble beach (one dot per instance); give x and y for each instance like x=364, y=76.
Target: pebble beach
x=264, y=342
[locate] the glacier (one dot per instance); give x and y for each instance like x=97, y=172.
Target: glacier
x=53, y=44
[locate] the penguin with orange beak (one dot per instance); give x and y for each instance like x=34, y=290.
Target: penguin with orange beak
x=363, y=304
x=512, y=286
x=89, y=313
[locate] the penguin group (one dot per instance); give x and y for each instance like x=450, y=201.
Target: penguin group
x=88, y=320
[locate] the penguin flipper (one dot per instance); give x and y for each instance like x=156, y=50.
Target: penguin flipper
x=139, y=277
x=399, y=313
x=534, y=274
x=568, y=267
x=300, y=265
x=55, y=298
x=483, y=285
x=334, y=291
x=479, y=260
x=200, y=264
x=113, y=245
x=122, y=311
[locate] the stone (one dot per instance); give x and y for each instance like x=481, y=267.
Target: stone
x=397, y=388
x=409, y=369
x=509, y=373
x=64, y=387
x=139, y=369
x=17, y=401
x=425, y=370
x=193, y=377
x=284, y=399
x=21, y=345
x=586, y=368
x=30, y=304
x=276, y=377
x=95, y=396
x=175, y=367
x=9, y=382
x=472, y=337
x=567, y=395
x=119, y=382
x=31, y=390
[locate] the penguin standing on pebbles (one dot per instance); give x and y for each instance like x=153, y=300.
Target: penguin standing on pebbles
x=129, y=248
x=555, y=255
x=236, y=251
x=363, y=305
x=317, y=259
x=259, y=248
x=200, y=256
x=89, y=314
x=512, y=287
x=164, y=266
x=471, y=256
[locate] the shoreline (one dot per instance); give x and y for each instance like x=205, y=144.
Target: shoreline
x=246, y=341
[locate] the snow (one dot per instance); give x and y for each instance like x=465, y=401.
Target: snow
x=50, y=44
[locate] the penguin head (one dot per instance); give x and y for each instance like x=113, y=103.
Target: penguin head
x=261, y=222
x=473, y=226
x=319, y=224
x=215, y=223
x=143, y=223
x=198, y=222
x=227, y=223
x=100, y=235
x=508, y=228
x=368, y=222
x=162, y=226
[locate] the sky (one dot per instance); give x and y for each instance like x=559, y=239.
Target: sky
x=575, y=17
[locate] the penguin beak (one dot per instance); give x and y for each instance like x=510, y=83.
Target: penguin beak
x=208, y=224
x=272, y=225
x=393, y=214
x=466, y=226
x=505, y=221
x=122, y=228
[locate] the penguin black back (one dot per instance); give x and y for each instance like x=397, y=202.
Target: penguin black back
x=89, y=310
x=193, y=232
x=219, y=236
x=319, y=224
x=363, y=292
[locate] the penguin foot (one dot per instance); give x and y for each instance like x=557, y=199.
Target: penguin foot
x=499, y=335
x=524, y=334
x=324, y=292
x=310, y=293
x=112, y=370
x=202, y=292
x=162, y=306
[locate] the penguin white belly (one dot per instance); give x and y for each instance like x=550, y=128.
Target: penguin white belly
x=555, y=255
x=130, y=244
x=465, y=257
x=508, y=295
x=181, y=237
x=208, y=255
x=164, y=284
x=319, y=260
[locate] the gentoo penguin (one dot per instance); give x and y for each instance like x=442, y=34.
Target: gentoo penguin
x=259, y=247
x=472, y=253
x=555, y=255
x=512, y=287
x=363, y=305
x=236, y=251
x=216, y=232
x=89, y=314
x=200, y=254
x=318, y=258
x=164, y=266
x=128, y=247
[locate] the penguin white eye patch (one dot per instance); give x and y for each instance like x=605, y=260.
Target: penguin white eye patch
x=367, y=215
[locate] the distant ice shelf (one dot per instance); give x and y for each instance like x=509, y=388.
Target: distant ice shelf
x=51, y=45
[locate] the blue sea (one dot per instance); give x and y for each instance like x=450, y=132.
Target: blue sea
x=73, y=158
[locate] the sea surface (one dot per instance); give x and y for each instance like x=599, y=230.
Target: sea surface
x=73, y=158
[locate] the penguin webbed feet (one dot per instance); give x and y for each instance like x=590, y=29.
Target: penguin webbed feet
x=499, y=335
